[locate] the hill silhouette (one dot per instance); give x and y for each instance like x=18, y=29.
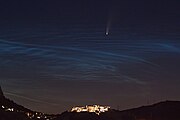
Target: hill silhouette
x=166, y=110
x=1, y=94
x=10, y=110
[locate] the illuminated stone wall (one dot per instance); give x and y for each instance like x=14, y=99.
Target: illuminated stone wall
x=91, y=108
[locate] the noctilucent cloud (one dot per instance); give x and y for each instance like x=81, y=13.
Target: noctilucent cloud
x=55, y=57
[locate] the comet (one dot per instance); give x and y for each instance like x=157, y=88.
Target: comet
x=108, y=26
x=107, y=32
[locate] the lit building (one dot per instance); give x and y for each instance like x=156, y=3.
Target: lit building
x=91, y=108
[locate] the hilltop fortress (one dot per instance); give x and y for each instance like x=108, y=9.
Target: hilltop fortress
x=91, y=108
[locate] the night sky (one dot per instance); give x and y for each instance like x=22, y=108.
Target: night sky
x=56, y=54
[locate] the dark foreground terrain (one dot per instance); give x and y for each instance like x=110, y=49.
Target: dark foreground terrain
x=167, y=110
